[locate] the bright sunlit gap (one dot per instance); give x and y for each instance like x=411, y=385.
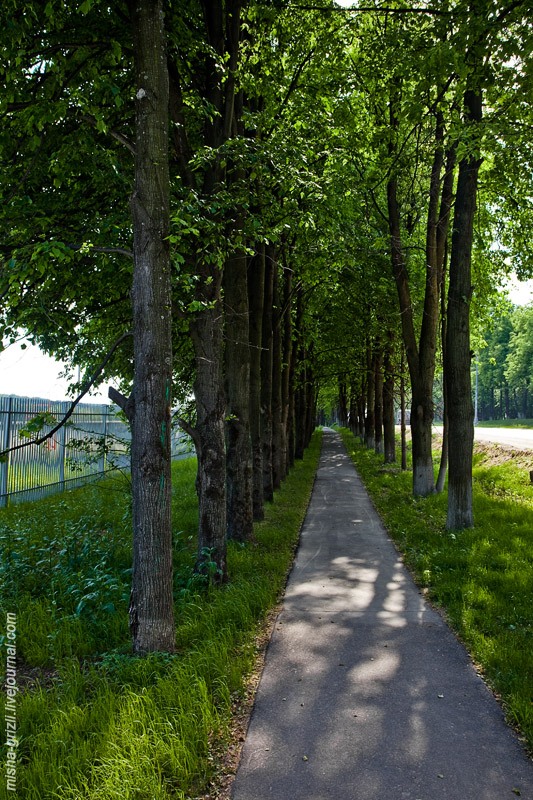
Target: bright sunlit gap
x=28, y=372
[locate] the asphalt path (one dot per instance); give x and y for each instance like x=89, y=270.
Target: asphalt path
x=518, y=438
x=366, y=694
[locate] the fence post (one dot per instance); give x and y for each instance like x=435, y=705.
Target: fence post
x=62, y=444
x=5, y=445
x=104, y=449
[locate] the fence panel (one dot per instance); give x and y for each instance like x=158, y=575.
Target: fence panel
x=96, y=439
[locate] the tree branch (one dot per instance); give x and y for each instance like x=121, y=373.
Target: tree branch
x=88, y=385
x=291, y=89
x=372, y=9
x=120, y=137
x=127, y=404
x=190, y=431
x=120, y=250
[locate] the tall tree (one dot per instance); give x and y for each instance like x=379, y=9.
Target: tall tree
x=151, y=604
x=60, y=87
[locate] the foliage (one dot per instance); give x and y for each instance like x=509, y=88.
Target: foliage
x=506, y=365
x=97, y=722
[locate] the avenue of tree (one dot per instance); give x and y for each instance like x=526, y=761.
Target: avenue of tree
x=273, y=207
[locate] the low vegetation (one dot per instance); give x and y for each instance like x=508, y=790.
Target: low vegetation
x=506, y=423
x=95, y=722
x=482, y=577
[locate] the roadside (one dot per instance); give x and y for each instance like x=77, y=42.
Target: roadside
x=518, y=438
x=515, y=438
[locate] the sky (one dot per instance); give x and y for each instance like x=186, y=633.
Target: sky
x=30, y=373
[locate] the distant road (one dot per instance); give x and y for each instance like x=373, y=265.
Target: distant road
x=519, y=438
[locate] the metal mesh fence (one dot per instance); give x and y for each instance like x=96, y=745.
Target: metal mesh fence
x=95, y=439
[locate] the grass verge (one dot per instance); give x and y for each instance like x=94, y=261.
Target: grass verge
x=482, y=578
x=94, y=722
x=506, y=423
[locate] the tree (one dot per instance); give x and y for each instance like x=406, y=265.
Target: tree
x=151, y=604
x=484, y=47
x=59, y=88
x=519, y=366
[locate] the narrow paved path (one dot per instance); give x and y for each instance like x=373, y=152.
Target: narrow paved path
x=366, y=694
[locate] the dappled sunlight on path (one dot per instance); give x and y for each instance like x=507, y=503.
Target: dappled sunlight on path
x=366, y=694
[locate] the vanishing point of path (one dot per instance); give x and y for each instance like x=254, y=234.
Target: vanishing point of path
x=366, y=694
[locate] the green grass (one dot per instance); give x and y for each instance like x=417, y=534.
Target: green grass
x=506, y=423
x=98, y=723
x=482, y=578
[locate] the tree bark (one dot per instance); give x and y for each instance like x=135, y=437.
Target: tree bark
x=403, y=426
x=310, y=399
x=277, y=412
x=151, y=603
x=300, y=380
x=286, y=369
x=389, y=431
x=266, y=376
x=443, y=467
x=256, y=290
x=421, y=355
x=239, y=474
x=291, y=423
x=343, y=402
x=378, y=400
x=370, y=401
x=458, y=355
x=207, y=336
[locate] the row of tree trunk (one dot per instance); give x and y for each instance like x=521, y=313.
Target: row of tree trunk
x=254, y=392
x=367, y=405
x=255, y=399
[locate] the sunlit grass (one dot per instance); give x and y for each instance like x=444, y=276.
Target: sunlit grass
x=506, y=423
x=100, y=724
x=482, y=577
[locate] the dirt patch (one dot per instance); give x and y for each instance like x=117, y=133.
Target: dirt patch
x=29, y=678
x=493, y=455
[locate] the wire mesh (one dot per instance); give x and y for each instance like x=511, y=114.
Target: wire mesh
x=95, y=439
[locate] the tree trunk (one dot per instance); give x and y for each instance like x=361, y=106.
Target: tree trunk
x=443, y=467
x=151, y=604
x=343, y=402
x=310, y=399
x=277, y=413
x=352, y=413
x=300, y=381
x=403, y=426
x=266, y=377
x=458, y=355
x=300, y=410
x=421, y=357
x=422, y=438
x=361, y=406
x=256, y=290
x=207, y=334
x=378, y=400
x=237, y=381
x=370, y=401
x=389, y=434
x=291, y=424
x=286, y=370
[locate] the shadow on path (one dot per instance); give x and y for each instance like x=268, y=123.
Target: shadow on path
x=366, y=693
